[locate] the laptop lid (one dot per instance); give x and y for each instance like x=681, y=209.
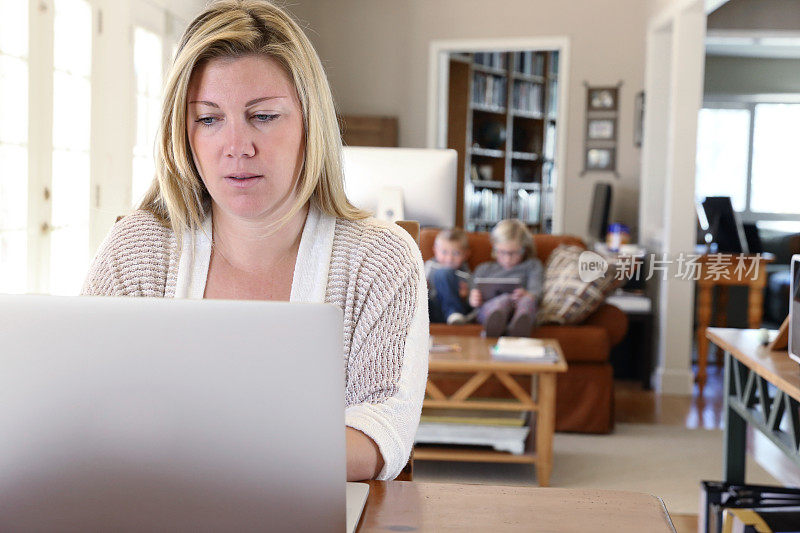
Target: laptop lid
x=139, y=414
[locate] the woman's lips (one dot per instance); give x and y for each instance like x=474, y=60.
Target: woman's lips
x=243, y=181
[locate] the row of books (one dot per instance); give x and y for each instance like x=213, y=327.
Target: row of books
x=547, y=205
x=486, y=205
x=488, y=89
x=552, y=106
x=490, y=59
x=549, y=175
x=527, y=96
x=525, y=205
x=529, y=63
x=550, y=141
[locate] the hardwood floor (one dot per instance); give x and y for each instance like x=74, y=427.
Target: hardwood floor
x=637, y=406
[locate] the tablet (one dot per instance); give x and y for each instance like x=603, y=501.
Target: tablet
x=491, y=287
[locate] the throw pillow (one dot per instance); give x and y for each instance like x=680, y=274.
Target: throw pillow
x=568, y=299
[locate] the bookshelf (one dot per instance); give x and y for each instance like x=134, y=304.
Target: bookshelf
x=502, y=109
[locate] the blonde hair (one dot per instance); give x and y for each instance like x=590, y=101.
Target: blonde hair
x=454, y=235
x=514, y=230
x=232, y=29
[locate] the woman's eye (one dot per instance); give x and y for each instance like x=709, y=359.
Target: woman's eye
x=206, y=121
x=264, y=117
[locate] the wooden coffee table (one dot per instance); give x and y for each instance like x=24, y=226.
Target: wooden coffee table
x=474, y=361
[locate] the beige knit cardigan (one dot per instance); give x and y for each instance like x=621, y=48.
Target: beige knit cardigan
x=373, y=271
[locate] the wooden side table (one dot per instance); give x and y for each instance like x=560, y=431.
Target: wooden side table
x=762, y=390
x=474, y=360
x=724, y=271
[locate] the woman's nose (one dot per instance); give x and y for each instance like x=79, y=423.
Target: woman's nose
x=239, y=142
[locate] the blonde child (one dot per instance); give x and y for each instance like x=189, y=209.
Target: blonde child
x=448, y=275
x=515, y=259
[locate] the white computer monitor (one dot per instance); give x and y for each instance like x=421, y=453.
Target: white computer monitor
x=407, y=183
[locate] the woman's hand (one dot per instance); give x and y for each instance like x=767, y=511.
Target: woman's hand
x=475, y=298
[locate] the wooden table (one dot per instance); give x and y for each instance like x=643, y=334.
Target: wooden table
x=474, y=359
x=413, y=506
x=749, y=369
x=724, y=271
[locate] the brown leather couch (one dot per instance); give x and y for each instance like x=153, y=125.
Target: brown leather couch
x=585, y=393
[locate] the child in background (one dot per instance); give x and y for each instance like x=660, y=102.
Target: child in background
x=515, y=258
x=448, y=277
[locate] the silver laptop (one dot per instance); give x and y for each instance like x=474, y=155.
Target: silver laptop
x=147, y=414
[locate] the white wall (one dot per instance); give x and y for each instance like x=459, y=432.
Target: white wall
x=376, y=56
x=185, y=9
x=771, y=15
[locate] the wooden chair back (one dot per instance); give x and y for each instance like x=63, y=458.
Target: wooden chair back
x=407, y=473
x=412, y=227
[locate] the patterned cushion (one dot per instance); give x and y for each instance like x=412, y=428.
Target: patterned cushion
x=566, y=298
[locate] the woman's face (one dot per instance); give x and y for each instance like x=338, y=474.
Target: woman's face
x=245, y=129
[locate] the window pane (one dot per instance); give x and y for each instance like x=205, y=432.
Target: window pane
x=69, y=259
x=69, y=240
x=70, y=188
x=73, y=37
x=148, y=55
x=14, y=27
x=13, y=188
x=722, y=146
x=143, y=174
x=140, y=147
x=147, y=59
x=13, y=100
x=13, y=261
x=71, y=111
x=776, y=178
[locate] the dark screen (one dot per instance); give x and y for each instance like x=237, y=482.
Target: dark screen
x=724, y=225
x=601, y=207
x=794, y=309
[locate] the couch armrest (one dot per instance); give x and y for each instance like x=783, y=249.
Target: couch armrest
x=612, y=319
x=580, y=344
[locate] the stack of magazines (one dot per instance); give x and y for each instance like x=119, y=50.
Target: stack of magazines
x=505, y=431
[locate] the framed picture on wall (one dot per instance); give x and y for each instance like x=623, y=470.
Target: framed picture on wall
x=601, y=129
x=602, y=99
x=638, y=125
x=601, y=159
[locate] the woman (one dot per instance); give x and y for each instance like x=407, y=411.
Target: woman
x=248, y=203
